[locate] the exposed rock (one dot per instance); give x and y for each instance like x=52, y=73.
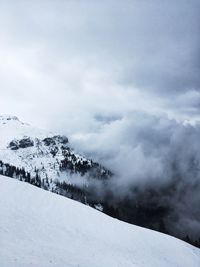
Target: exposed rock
x=26, y=142
x=51, y=141
x=14, y=145
x=23, y=143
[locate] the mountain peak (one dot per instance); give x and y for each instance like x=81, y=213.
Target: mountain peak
x=7, y=117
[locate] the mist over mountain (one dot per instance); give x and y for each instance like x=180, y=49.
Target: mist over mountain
x=156, y=162
x=150, y=178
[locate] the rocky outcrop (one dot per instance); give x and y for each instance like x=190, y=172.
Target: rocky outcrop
x=23, y=143
x=51, y=141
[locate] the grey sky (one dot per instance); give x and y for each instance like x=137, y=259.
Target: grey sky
x=65, y=62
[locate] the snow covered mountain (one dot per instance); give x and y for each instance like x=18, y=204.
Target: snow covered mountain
x=45, y=159
x=38, y=229
x=32, y=149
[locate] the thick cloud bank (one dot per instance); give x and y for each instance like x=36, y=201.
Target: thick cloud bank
x=153, y=153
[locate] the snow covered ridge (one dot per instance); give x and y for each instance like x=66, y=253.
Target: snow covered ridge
x=41, y=152
x=5, y=118
x=40, y=229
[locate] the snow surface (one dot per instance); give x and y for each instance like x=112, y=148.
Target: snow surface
x=42, y=229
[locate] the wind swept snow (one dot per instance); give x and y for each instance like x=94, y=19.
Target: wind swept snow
x=42, y=229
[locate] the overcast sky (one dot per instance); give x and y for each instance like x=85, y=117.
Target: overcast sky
x=120, y=78
x=75, y=65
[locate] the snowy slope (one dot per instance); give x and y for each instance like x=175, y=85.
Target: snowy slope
x=41, y=229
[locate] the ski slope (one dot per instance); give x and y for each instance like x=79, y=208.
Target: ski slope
x=42, y=229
